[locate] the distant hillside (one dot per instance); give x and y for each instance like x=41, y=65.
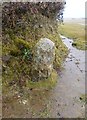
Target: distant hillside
x=75, y=20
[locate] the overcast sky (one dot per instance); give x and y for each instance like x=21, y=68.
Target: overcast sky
x=74, y=9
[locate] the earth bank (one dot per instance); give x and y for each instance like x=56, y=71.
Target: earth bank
x=19, y=38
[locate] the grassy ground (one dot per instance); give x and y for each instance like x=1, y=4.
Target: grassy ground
x=76, y=32
x=83, y=98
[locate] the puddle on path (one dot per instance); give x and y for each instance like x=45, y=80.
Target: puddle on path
x=62, y=101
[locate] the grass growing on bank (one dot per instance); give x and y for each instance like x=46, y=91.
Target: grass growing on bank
x=76, y=32
x=83, y=98
x=17, y=65
x=10, y=88
x=16, y=70
x=44, y=84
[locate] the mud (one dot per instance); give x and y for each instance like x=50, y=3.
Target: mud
x=71, y=85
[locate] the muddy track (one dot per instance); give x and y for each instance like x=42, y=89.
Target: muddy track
x=71, y=85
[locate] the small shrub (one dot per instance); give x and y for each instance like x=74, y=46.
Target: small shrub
x=27, y=54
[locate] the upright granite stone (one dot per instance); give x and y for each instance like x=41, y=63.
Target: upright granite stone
x=44, y=55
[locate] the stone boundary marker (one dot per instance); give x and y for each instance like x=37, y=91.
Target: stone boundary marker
x=44, y=56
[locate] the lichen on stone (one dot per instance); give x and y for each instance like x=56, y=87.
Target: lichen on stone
x=44, y=55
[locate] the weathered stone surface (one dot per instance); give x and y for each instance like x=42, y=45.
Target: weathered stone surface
x=44, y=55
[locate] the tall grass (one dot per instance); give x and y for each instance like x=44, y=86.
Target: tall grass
x=76, y=32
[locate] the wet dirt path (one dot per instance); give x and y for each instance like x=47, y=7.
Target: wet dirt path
x=71, y=85
x=63, y=101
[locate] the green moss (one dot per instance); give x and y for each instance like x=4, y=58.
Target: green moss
x=83, y=98
x=45, y=84
x=7, y=48
x=80, y=45
x=19, y=41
